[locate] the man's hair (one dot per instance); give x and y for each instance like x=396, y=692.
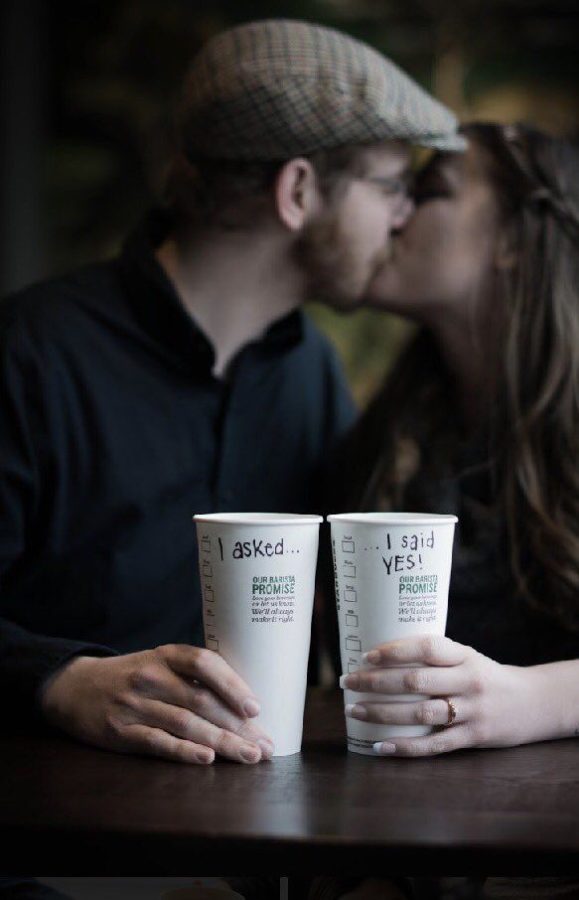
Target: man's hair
x=234, y=194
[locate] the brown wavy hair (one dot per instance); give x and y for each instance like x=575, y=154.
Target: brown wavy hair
x=533, y=436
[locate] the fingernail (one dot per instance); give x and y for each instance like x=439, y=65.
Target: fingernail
x=251, y=707
x=250, y=754
x=349, y=681
x=204, y=758
x=354, y=709
x=372, y=656
x=383, y=748
x=267, y=748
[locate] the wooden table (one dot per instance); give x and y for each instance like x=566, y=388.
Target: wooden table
x=68, y=808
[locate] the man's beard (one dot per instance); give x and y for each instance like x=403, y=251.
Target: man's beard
x=335, y=273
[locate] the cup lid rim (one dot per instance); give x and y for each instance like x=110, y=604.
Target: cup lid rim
x=258, y=518
x=394, y=518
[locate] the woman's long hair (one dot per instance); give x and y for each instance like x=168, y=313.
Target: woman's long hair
x=533, y=438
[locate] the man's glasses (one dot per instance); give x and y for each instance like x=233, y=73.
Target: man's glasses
x=398, y=186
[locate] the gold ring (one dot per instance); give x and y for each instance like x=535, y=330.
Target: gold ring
x=451, y=712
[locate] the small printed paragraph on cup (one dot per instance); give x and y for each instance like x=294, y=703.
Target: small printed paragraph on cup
x=257, y=575
x=391, y=575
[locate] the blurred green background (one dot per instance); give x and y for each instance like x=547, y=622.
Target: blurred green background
x=87, y=98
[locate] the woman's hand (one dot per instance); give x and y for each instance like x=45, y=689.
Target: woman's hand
x=493, y=702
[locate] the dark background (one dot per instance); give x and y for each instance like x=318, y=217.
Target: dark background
x=86, y=102
x=253, y=887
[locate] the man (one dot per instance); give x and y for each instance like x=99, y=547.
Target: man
x=183, y=378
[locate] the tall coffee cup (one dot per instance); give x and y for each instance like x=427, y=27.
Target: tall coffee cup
x=257, y=580
x=392, y=574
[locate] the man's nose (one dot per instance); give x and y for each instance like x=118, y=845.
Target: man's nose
x=402, y=216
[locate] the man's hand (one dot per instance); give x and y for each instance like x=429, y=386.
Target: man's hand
x=178, y=702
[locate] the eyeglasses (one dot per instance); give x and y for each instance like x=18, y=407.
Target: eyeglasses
x=396, y=186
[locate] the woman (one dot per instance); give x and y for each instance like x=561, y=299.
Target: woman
x=480, y=417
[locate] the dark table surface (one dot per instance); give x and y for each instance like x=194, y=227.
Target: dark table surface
x=66, y=807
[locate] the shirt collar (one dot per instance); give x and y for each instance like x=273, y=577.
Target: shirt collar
x=160, y=311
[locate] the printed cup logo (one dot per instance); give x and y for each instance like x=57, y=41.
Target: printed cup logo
x=257, y=581
x=391, y=573
x=273, y=598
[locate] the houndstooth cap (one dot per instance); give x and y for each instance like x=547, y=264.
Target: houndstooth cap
x=279, y=88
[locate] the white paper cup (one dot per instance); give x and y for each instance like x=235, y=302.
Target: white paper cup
x=257, y=581
x=392, y=572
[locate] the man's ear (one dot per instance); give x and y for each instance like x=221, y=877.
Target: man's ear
x=296, y=193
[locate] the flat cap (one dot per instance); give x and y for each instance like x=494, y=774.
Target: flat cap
x=275, y=89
